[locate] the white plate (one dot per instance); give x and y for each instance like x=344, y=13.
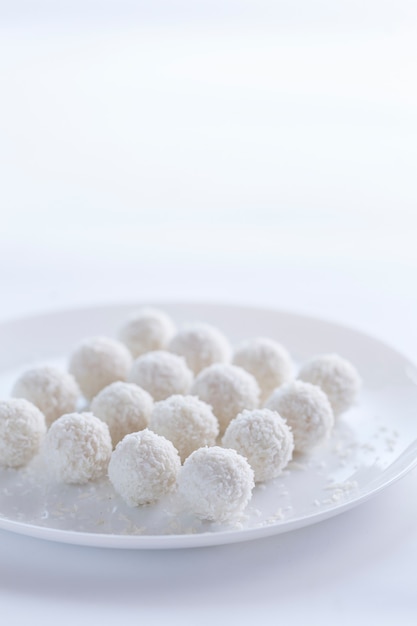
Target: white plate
x=373, y=444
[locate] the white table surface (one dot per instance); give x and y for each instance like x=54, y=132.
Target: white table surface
x=232, y=153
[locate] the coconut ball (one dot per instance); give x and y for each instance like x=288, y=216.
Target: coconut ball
x=264, y=438
x=228, y=389
x=267, y=360
x=125, y=407
x=307, y=411
x=147, y=330
x=22, y=429
x=97, y=362
x=162, y=374
x=77, y=448
x=52, y=390
x=143, y=467
x=186, y=421
x=215, y=483
x=337, y=377
x=201, y=345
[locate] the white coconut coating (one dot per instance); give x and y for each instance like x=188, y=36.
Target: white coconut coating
x=307, y=411
x=125, y=407
x=143, y=467
x=97, y=362
x=201, y=345
x=51, y=389
x=264, y=438
x=228, y=389
x=22, y=430
x=77, y=448
x=267, y=360
x=186, y=421
x=162, y=374
x=215, y=483
x=337, y=377
x=147, y=330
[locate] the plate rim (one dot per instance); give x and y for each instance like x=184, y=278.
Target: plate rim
x=160, y=302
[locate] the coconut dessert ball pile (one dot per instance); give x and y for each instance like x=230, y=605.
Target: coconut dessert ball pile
x=22, y=429
x=175, y=411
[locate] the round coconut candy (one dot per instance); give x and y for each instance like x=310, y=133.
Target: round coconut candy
x=125, y=407
x=186, y=421
x=162, y=374
x=143, y=467
x=77, y=448
x=228, y=389
x=201, y=345
x=22, y=430
x=337, y=377
x=97, y=362
x=264, y=439
x=267, y=360
x=52, y=390
x=215, y=483
x=147, y=330
x=307, y=411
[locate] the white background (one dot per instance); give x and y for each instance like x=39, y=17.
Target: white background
x=247, y=152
